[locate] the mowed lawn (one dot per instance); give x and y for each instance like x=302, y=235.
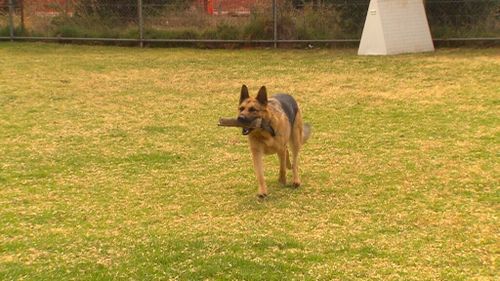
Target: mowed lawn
x=112, y=166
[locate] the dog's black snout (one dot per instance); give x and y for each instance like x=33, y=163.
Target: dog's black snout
x=243, y=119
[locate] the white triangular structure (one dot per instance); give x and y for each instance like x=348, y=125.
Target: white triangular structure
x=395, y=27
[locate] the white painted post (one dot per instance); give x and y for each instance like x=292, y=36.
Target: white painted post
x=395, y=27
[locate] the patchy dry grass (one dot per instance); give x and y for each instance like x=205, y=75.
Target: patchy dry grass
x=112, y=167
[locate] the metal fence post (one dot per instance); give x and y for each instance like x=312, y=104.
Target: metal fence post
x=141, y=23
x=11, y=20
x=21, y=8
x=275, y=25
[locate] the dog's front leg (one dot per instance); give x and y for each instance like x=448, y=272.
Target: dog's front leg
x=258, y=164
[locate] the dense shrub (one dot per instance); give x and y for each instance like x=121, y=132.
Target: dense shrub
x=459, y=13
x=125, y=9
x=443, y=15
x=259, y=28
x=461, y=18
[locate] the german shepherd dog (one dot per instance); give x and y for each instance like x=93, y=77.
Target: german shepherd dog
x=285, y=128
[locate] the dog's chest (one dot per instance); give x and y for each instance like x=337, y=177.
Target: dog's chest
x=268, y=145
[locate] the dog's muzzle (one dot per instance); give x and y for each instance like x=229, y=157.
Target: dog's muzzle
x=244, y=120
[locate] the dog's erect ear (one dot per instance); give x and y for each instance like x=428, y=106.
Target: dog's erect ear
x=262, y=95
x=244, y=93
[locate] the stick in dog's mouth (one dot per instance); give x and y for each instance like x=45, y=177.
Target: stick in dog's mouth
x=233, y=122
x=258, y=123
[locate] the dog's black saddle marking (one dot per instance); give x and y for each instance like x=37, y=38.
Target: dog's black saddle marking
x=289, y=106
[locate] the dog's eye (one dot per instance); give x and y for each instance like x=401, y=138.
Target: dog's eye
x=252, y=109
x=241, y=108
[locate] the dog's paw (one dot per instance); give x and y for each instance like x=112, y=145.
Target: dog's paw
x=262, y=195
x=296, y=184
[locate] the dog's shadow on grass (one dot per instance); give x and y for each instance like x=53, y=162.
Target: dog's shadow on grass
x=278, y=195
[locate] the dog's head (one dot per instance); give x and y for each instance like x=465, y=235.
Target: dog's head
x=250, y=108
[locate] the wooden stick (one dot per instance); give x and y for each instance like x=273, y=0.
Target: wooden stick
x=233, y=122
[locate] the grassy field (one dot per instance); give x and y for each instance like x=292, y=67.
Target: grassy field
x=112, y=166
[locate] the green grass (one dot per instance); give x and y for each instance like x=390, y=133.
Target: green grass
x=112, y=166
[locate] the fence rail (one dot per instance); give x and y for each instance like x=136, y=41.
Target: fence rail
x=236, y=22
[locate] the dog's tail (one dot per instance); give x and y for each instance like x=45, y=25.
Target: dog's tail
x=306, y=133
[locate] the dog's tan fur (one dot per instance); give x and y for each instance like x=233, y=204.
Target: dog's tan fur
x=262, y=142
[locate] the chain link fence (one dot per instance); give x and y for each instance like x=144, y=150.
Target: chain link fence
x=229, y=22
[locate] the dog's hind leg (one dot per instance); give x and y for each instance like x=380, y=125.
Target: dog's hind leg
x=295, y=145
x=288, y=163
x=295, y=165
x=283, y=156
